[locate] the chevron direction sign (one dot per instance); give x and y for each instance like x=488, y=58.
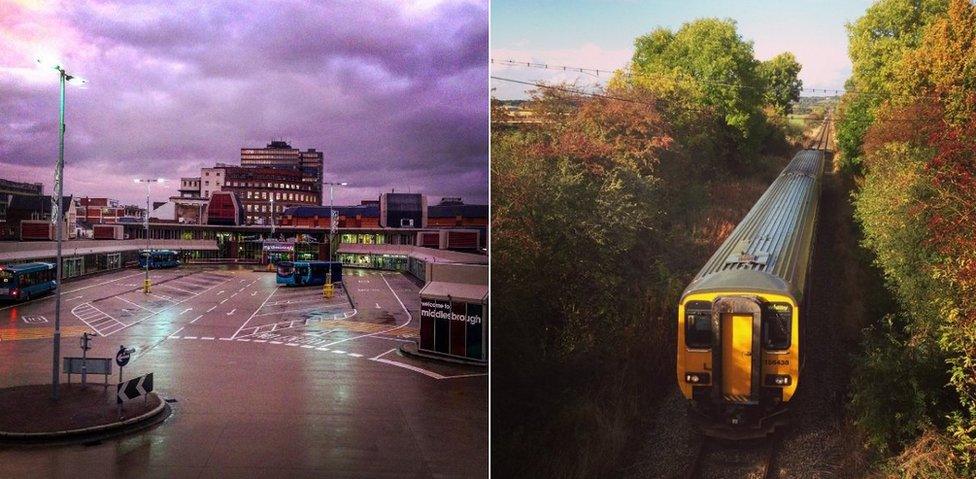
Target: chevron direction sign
x=135, y=388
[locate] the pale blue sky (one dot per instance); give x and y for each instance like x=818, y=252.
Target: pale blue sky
x=600, y=34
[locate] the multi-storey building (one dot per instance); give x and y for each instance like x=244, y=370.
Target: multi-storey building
x=279, y=154
x=256, y=187
x=99, y=210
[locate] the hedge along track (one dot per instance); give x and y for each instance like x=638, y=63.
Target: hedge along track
x=715, y=458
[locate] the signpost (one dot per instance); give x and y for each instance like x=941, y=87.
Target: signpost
x=122, y=358
x=85, y=346
x=91, y=365
x=134, y=388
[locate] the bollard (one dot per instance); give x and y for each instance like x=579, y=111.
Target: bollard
x=145, y=286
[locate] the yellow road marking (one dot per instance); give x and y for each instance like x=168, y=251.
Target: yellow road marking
x=44, y=332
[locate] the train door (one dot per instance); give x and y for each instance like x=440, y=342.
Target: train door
x=736, y=323
x=737, y=353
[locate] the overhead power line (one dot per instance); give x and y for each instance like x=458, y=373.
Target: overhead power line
x=597, y=72
x=833, y=117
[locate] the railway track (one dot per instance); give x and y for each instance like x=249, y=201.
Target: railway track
x=721, y=459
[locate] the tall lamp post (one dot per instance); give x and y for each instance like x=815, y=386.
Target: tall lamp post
x=58, y=217
x=272, y=215
x=333, y=225
x=148, y=181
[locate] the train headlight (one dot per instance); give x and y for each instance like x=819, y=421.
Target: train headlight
x=778, y=380
x=697, y=378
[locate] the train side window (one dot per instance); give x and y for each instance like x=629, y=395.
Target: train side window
x=698, y=324
x=777, y=326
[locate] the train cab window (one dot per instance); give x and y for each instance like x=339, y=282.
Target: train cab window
x=698, y=324
x=777, y=322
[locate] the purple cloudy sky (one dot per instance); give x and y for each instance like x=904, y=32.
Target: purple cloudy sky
x=394, y=92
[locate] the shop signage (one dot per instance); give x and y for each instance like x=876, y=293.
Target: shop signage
x=278, y=247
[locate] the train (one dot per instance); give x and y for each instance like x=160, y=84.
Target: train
x=161, y=258
x=308, y=273
x=741, y=319
x=21, y=282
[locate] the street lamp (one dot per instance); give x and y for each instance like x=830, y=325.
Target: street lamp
x=333, y=226
x=272, y=215
x=148, y=181
x=58, y=216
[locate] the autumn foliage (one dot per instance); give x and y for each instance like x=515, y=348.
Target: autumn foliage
x=917, y=205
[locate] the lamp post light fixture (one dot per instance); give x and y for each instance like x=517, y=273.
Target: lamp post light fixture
x=146, y=284
x=58, y=216
x=333, y=225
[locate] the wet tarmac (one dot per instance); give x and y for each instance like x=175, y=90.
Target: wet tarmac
x=270, y=381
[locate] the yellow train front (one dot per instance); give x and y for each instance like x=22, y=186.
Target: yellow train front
x=741, y=320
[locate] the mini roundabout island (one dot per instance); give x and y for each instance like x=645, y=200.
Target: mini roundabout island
x=30, y=416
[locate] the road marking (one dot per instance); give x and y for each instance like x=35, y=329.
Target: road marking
x=235, y=294
x=259, y=340
x=255, y=312
x=231, y=312
x=254, y=293
x=134, y=304
x=378, y=306
x=410, y=367
x=167, y=298
x=322, y=349
x=275, y=342
x=212, y=308
x=223, y=301
x=174, y=337
x=219, y=293
x=208, y=338
x=71, y=291
x=307, y=346
x=292, y=344
x=185, y=310
x=356, y=355
x=167, y=285
x=338, y=351
x=76, y=297
x=409, y=316
x=226, y=339
x=195, y=319
x=189, y=337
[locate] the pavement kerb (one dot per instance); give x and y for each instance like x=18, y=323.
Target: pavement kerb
x=86, y=430
x=403, y=351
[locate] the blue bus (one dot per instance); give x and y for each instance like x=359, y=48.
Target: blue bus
x=27, y=280
x=308, y=273
x=160, y=258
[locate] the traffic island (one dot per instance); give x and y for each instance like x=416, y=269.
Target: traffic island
x=83, y=414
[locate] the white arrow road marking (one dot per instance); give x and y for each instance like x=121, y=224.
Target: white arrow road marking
x=252, y=294
x=231, y=312
x=185, y=310
x=378, y=306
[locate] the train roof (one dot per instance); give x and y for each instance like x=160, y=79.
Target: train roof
x=27, y=267
x=770, y=248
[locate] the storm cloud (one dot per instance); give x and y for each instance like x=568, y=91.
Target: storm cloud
x=394, y=93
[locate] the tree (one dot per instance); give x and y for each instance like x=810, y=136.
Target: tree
x=707, y=61
x=782, y=86
x=877, y=42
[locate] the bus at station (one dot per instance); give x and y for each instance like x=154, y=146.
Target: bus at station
x=163, y=258
x=308, y=273
x=20, y=282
